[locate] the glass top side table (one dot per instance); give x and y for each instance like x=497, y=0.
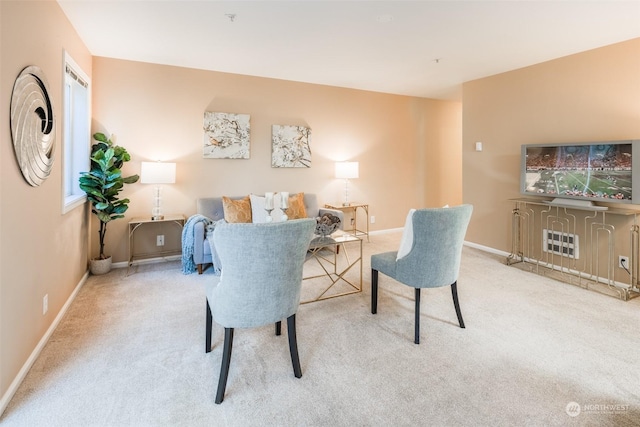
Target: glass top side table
x=327, y=270
x=353, y=207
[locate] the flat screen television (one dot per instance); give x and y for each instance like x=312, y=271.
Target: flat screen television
x=582, y=173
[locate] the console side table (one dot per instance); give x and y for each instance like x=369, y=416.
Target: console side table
x=136, y=223
x=353, y=208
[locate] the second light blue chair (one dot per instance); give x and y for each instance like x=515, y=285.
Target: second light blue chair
x=429, y=255
x=260, y=282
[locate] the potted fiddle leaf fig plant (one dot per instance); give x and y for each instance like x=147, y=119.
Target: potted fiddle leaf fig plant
x=102, y=184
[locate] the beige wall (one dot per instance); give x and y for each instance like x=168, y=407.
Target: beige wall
x=589, y=96
x=408, y=148
x=41, y=250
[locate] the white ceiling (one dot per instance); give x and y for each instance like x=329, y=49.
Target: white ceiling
x=418, y=48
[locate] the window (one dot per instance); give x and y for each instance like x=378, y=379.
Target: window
x=76, y=132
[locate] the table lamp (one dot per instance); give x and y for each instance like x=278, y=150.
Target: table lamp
x=346, y=171
x=157, y=173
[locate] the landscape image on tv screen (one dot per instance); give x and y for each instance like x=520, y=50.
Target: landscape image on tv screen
x=585, y=171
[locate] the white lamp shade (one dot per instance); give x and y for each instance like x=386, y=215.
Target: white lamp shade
x=346, y=170
x=158, y=173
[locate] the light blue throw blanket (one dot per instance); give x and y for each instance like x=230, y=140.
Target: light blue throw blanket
x=188, y=266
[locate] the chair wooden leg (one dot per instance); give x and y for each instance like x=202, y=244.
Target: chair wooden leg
x=454, y=293
x=278, y=328
x=374, y=291
x=417, y=332
x=226, y=360
x=207, y=340
x=293, y=345
x=199, y=268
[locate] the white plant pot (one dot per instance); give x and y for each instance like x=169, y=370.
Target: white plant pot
x=100, y=266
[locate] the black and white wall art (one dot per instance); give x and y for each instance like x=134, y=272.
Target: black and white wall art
x=290, y=147
x=226, y=136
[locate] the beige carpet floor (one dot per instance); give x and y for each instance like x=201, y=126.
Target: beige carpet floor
x=536, y=352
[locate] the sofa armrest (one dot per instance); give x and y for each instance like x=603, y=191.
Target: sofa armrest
x=334, y=212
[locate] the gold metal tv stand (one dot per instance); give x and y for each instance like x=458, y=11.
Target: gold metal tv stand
x=579, y=245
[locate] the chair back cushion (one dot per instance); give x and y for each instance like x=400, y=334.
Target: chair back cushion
x=438, y=237
x=406, y=242
x=261, y=272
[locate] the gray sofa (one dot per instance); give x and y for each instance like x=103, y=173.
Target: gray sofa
x=211, y=207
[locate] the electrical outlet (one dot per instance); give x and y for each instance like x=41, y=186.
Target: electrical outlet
x=623, y=262
x=160, y=240
x=45, y=304
x=373, y=219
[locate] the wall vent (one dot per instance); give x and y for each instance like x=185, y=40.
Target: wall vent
x=564, y=244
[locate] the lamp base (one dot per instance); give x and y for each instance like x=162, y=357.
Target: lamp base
x=156, y=210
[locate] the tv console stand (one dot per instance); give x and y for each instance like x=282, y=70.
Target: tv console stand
x=576, y=204
x=576, y=244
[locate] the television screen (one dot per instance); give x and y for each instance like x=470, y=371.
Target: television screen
x=590, y=171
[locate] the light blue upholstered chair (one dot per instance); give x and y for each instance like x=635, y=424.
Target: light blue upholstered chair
x=429, y=255
x=260, y=282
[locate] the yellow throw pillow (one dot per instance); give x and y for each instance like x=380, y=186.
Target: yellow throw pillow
x=236, y=210
x=296, y=207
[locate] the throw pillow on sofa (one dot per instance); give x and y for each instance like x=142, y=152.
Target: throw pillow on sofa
x=237, y=210
x=296, y=207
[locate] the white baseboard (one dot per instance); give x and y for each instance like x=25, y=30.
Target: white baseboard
x=4, y=402
x=466, y=243
x=125, y=264
x=388, y=230
x=486, y=248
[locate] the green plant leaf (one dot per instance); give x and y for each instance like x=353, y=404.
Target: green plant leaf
x=108, y=155
x=115, y=174
x=99, y=136
x=88, y=179
x=120, y=209
x=103, y=216
x=91, y=191
x=131, y=179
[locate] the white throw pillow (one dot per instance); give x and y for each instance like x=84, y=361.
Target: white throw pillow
x=406, y=242
x=259, y=215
